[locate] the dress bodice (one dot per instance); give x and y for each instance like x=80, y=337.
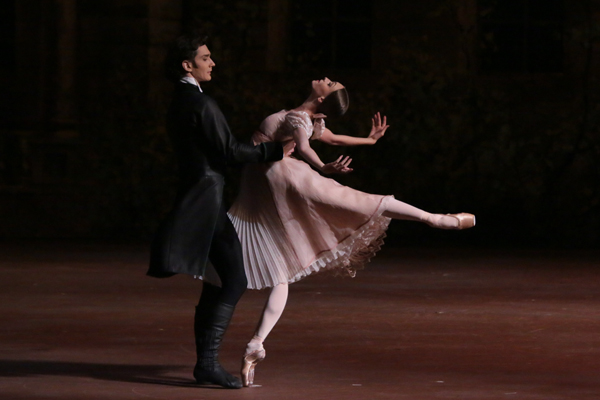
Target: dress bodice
x=280, y=127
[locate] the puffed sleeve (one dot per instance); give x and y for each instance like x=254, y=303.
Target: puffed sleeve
x=318, y=128
x=296, y=119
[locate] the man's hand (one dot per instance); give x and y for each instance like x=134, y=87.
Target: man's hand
x=289, y=149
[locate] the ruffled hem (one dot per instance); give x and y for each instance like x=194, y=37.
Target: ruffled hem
x=345, y=259
x=352, y=253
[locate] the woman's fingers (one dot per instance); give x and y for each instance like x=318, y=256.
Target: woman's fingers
x=377, y=120
x=341, y=164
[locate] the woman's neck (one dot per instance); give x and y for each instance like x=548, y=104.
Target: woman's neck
x=309, y=106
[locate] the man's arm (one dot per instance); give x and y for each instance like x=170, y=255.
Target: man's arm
x=216, y=132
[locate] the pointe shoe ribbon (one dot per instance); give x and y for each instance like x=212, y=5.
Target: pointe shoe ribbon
x=465, y=220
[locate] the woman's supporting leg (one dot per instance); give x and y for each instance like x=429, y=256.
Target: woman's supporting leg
x=255, y=351
x=399, y=210
x=271, y=313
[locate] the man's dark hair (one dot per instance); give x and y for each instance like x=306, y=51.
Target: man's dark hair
x=183, y=48
x=336, y=104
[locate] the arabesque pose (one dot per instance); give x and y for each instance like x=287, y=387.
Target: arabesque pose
x=293, y=222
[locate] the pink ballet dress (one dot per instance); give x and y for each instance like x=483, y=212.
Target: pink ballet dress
x=293, y=222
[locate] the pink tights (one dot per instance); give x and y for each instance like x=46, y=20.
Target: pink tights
x=271, y=313
x=398, y=210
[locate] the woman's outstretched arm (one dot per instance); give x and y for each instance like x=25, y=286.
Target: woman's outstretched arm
x=378, y=128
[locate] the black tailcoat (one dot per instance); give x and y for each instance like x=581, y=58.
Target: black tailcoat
x=203, y=146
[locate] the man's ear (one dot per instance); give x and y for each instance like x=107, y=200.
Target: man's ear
x=187, y=65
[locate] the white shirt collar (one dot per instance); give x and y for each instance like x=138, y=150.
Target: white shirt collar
x=190, y=80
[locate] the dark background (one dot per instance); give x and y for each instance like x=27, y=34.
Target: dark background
x=494, y=108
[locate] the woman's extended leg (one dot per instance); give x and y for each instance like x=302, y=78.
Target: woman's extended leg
x=255, y=351
x=400, y=210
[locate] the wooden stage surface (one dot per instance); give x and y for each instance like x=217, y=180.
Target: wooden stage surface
x=82, y=322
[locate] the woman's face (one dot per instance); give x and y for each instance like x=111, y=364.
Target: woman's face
x=325, y=87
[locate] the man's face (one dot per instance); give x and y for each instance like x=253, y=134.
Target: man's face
x=200, y=68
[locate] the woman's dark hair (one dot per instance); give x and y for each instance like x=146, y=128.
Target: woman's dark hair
x=183, y=48
x=336, y=104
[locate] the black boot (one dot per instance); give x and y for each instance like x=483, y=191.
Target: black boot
x=210, y=324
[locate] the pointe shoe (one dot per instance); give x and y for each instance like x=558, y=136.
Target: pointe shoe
x=465, y=220
x=249, y=362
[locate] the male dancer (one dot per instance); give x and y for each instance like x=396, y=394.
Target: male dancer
x=197, y=229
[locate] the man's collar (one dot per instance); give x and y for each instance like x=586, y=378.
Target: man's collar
x=191, y=81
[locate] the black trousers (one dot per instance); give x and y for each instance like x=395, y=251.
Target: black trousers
x=226, y=256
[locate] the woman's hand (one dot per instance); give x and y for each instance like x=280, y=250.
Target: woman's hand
x=339, y=166
x=378, y=127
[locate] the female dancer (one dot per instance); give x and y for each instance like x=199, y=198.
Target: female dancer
x=293, y=222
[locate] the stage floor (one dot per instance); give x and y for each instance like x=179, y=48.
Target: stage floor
x=82, y=322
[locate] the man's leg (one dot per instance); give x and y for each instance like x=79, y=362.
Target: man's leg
x=216, y=305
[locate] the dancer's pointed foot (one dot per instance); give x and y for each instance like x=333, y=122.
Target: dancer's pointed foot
x=450, y=221
x=465, y=220
x=249, y=362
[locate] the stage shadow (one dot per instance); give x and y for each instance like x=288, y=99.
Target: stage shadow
x=151, y=374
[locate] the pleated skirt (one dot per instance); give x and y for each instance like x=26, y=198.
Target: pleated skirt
x=293, y=222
